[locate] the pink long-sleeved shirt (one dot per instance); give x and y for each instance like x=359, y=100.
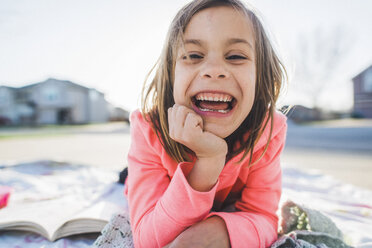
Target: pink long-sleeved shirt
x=162, y=204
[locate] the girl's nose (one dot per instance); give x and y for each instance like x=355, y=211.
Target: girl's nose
x=214, y=69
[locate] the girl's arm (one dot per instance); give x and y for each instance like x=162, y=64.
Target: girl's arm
x=254, y=224
x=186, y=127
x=214, y=235
x=160, y=207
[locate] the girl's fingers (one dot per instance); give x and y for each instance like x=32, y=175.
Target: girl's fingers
x=179, y=122
x=180, y=115
x=175, y=120
x=193, y=121
x=182, y=122
x=186, y=127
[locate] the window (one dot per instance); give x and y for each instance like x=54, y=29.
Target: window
x=367, y=81
x=50, y=94
x=93, y=95
x=3, y=97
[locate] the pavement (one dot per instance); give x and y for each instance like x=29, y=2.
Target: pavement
x=102, y=145
x=337, y=137
x=340, y=149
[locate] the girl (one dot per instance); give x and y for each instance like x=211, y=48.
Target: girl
x=204, y=166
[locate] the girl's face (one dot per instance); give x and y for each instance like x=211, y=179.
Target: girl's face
x=215, y=71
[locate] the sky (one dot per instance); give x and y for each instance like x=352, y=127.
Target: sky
x=111, y=45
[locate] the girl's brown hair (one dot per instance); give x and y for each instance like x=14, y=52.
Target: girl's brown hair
x=157, y=97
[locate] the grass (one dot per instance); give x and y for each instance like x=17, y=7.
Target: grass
x=33, y=134
x=29, y=135
x=42, y=131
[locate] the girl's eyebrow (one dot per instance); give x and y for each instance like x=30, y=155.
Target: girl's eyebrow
x=229, y=42
x=193, y=41
x=239, y=40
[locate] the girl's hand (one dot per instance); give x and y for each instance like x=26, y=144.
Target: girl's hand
x=186, y=127
x=211, y=232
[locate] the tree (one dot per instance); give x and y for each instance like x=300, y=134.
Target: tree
x=319, y=56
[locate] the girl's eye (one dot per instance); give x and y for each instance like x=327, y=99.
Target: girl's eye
x=235, y=57
x=193, y=56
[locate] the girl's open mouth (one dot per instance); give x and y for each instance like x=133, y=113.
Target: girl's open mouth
x=214, y=102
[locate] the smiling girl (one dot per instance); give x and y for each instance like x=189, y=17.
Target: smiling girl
x=204, y=168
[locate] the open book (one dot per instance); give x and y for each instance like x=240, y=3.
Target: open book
x=56, y=199
x=65, y=216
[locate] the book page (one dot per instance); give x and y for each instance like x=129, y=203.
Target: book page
x=94, y=217
x=50, y=214
x=71, y=214
x=47, y=194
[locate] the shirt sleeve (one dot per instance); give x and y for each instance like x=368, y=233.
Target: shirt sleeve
x=255, y=223
x=160, y=207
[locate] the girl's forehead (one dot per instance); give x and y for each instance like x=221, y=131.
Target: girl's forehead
x=219, y=22
x=224, y=12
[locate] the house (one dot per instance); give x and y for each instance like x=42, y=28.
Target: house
x=363, y=93
x=8, y=107
x=299, y=113
x=118, y=114
x=53, y=102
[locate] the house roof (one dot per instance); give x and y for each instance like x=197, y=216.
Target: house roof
x=55, y=80
x=362, y=72
x=8, y=87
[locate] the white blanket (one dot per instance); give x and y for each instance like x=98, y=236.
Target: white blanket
x=348, y=206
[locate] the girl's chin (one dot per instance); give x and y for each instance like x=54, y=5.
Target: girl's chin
x=217, y=130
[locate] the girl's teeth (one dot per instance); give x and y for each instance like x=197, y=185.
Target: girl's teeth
x=217, y=98
x=211, y=110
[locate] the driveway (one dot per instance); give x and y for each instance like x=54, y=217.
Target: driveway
x=341, y=152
